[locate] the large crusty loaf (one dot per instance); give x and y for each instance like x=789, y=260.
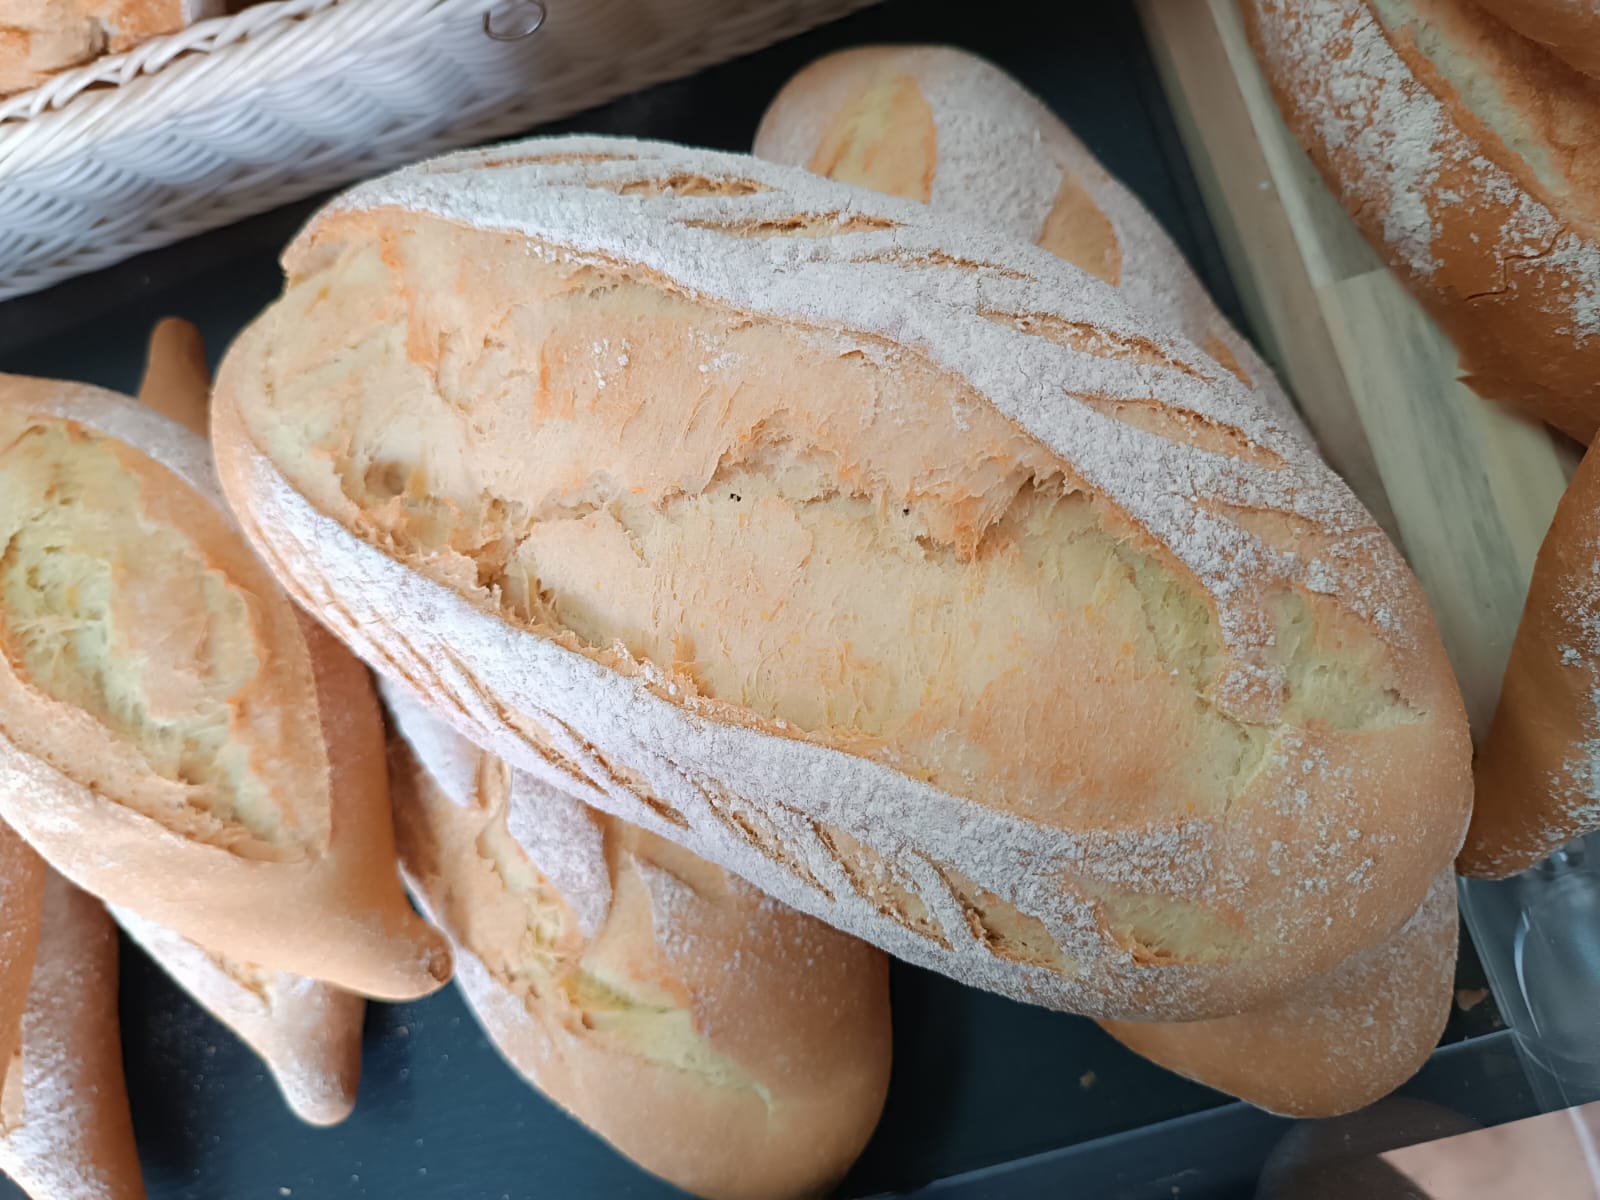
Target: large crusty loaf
x=40, y=37
x=1538, y=772
x=174, y=736
x=1340, y=1043
x=65, y=1130
x=1569, y=29
x=895, y=566
x=22, y=876
x=307, y=1033
x=723, y=1041
x=1465, y=154
x=939, y=125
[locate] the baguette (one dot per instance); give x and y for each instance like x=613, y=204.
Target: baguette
x=22, y=875
x=307, y=1033
x=41, y=37
x=1569, y=29
x=899, y=568
x=1463, y=152
x=1341, y=1043
x=1539, y=770
x=174, y=736
x=65, y=1130
x=722, y=1041
x=945, y=127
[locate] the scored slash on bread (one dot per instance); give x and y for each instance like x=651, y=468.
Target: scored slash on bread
x=898, y=567
x=1341, y=1042
x=1464, y=154
x=933, y=123
x=720, y=1040
x=65, y=1129
x=945, y=127
x=1569, y=29
x=175, y=737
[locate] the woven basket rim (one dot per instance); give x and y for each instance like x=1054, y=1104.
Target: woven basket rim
x=154, y=55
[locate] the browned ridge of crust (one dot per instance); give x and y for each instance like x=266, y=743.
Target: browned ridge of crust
x=1569, y=29
x=1465, y=154
x=176, y=737
x=722, y=1041
x=969, y=610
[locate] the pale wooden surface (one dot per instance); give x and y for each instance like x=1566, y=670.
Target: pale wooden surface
x=1467, y=489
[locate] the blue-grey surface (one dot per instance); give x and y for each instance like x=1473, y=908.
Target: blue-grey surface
x=979, y=1081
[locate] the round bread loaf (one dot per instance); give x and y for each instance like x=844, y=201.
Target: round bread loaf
x=175, y=736
x=65, y=1129
x=1569, y=29
x=730, y=1045
x=1465, y=154
x=898, y=567
x=1539, y=769
x=939, y=125
x=1340, y=1043
x=307, y=1033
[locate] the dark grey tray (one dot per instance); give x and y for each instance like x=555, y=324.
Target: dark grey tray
x=989, y=1098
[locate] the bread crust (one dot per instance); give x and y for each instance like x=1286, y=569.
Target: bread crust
x=795, y=1013
x=987, y=151
x=22, y=876
x=1569, y=29
x=1048, y=911
x=65, y=1130
x=1339, y=1044
x=307, y=1033
x=1461, y=151
x=1537, y=781
x=67, y=785
x=40, y=37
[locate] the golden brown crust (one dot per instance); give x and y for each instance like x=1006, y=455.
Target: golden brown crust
x=1538, y=774
x=65, y=1130
x=40, y=37
x=1460, y=149
x=88, y=801
x=177, y=382
x=22, y=876
x=1339, y=1044
x=1569, y=29
x=722, y=1041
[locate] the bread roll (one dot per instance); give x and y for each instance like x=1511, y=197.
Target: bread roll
x=945, y=127
x=307, y=1033
x=1569, y=29
x=65, y=1132
x=1464, y=154
x=1539, y=769
x=22, y=874
x=717, y=1038
x=1339, y=1044
x=40, y=37
x=899, y=568
x=174, y=736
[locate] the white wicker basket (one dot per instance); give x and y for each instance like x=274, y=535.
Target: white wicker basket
x=240, y=114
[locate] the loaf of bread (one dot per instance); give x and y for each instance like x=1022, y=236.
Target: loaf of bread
x=307, y=1033
x=40, y=37
x=900, y=568
x=1464, y=153
x=1539, y=769
x=1569, y=29
x=22, y=875
x=1339, y=1044
x=720, y=1040
x=65, y=1130
x=174, y=736
x=939, y=125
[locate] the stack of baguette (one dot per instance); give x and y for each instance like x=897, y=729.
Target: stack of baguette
x=1464, y=137
x=876, y=544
